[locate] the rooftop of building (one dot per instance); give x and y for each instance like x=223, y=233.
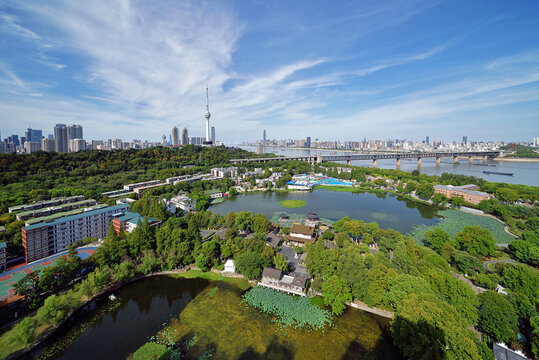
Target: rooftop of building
x=58, y=207
x=44, y=203
x=301, y=229
x=467, y=189
x=271, y=273
x=63, y=214
x=212, y=191
x=102, y=209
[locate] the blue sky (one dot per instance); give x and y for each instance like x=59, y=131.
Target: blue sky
x=341, y=70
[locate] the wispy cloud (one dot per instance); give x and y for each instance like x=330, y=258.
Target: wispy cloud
x=9, y=23
x=403, y=60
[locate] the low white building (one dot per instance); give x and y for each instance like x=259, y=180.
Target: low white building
x=184, y=202
x=214, y=194
x=229, y=266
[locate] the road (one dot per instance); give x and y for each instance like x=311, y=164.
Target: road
x=487, y=263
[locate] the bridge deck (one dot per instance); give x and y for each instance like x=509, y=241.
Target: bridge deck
x=350, y=157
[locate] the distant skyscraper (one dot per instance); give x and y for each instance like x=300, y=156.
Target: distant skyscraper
x=259, y=148
x=207, y=116
x=536, y=141
x=185, y=136
x=175, y=136
x=213, y=134
x=74, y=132
x=34, y=135
x=264, y=138
x=47, y=145
x=60, y=138
x=164, y=140
x=465, y=139
x=77, y=145
x=308, y=142
x=427, y=140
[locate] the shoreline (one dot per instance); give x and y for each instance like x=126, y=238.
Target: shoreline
x=508, y=159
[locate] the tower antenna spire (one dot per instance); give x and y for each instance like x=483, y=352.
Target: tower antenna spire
x=207, y=99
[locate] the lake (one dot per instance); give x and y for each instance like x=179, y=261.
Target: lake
x=211, y=317
x=526, y=173
x=388, y=210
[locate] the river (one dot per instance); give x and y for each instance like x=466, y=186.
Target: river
x=388, y=210
x=526, y=173
x=216, y=322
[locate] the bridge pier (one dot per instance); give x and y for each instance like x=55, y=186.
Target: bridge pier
x=438, y=160
x=348, y=162
x=470, y=159
x=374, y=164
x=455, y=159
x=398, y=163
x=485, y=159
x=418, y=162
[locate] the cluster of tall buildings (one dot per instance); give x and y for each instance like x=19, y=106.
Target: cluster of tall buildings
x=209, y=140
x=66, y=138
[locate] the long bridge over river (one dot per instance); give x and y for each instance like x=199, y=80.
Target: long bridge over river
x=318, y=158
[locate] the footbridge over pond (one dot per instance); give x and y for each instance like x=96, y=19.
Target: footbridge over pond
x=319, y=158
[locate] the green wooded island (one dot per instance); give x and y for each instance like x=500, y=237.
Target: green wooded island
x=189, y=265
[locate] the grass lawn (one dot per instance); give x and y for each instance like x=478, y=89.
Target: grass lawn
x=455, y=221
x=242, y=283
x=292, y=203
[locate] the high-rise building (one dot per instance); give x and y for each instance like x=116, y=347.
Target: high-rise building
x=465, y=139
x=31, y=146
x=427, y=140
x=34, y=135
x=259, y=148
x=77, y=145
x=308, y=142
x=14, y=139
x=536, y=141
x=213, y=134
x=60, y=138
x=164, y=140
x=207, y=115
x=175, y=136
x=48, y=145
x=74, y=132
x=185, y=136
x=264, y=138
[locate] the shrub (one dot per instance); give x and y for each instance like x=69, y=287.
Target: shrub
x=151, y=351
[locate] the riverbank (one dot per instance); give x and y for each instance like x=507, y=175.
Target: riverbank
x=509, y=159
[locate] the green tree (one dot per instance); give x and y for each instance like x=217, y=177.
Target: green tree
x=522, y=279
x=425, y=191
x=336, y=293
x=476, y=240
x=426, y=328
x=436, y=238
x=327, y=235
x=403, y=286
x=249, y=264
x=281, y=262
x=497, y=317
x=507, y=195
x=24, y=332
x=457, y=201
x=534, y=322
x=203, y=262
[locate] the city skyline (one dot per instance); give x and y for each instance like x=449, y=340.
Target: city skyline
x=398, y=71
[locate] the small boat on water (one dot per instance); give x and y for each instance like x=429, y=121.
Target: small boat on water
x=497, y=173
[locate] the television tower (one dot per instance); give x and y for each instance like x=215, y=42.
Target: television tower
x=207, y=116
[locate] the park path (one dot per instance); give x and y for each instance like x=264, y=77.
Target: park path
x=487, y=263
